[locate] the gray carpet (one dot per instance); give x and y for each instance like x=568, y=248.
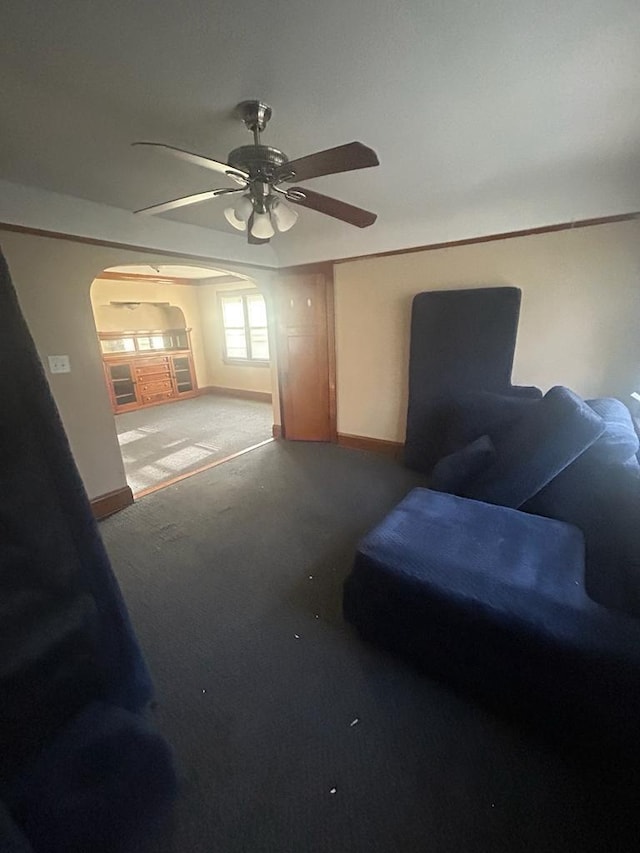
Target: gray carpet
x=233, y=578
x=162, y=442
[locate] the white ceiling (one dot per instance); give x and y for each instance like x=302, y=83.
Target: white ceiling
x=487, y=116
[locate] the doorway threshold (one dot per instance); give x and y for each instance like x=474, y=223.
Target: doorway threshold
x=158, y=486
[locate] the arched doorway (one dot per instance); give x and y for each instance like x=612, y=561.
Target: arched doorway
x=187, y=365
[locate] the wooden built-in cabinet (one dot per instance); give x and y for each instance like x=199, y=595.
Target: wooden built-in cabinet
x=137, y=376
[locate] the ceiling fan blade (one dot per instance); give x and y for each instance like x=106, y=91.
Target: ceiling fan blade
x=344, y=158
x=199, y=160
x=185, y=200
x=255, y=241
x=333, y=207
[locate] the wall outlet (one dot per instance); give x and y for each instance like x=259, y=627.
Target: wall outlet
x=59, y=364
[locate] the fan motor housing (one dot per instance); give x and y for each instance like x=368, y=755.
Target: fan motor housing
x=260, y=161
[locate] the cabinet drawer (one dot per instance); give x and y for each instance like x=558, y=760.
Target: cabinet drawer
x=152, y=385
x=151, y=360
x=146, y=378
x=150, y=369
x=157, y=396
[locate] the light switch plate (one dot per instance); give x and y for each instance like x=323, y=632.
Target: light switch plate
x=59, y=364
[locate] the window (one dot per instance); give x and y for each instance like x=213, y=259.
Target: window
x=244, y=320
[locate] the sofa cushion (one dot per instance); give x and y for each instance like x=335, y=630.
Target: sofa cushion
x=453, y=473
x=619, y=443
x=480, y=413
x=478, y=551
x=604, y=501
x=546, y=439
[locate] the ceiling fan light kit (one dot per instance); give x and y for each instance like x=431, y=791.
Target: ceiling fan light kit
x=232, y=219
x=260, y=172
x=285, y=217
x=261, y=226
x=282, y=217
x=244, y=208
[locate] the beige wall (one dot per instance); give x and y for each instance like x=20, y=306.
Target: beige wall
x=52, y=279
x=247, y=378
x=579, y=320
x=182, y=296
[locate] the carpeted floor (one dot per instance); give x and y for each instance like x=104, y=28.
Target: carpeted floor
x=162, y=442
x=233, y=578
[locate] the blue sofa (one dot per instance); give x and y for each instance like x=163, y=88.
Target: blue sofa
x=515, y=576
x=81, y=767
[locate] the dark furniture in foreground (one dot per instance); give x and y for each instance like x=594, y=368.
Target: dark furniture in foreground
x=516, y=576
x=81, y=769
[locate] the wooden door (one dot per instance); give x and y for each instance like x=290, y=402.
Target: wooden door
x=306, y=363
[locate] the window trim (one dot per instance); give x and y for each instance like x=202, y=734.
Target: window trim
x=249, y=361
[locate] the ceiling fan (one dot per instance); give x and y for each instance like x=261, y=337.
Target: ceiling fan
x=261, y=171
